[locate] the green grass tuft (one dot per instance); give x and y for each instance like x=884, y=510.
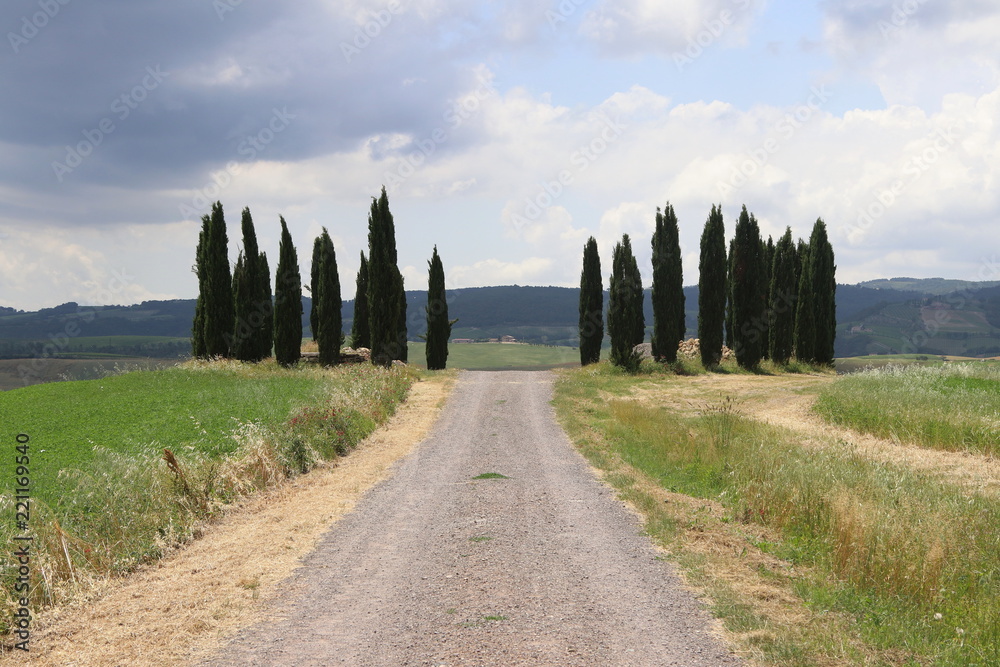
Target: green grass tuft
x=491, y=475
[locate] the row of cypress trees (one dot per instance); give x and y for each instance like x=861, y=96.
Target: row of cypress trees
x=765, y=300
x=380, y=300
x=236, y=317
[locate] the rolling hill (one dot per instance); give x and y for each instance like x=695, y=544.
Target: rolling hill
x=880, y=317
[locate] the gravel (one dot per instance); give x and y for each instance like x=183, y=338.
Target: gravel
x=434, y=567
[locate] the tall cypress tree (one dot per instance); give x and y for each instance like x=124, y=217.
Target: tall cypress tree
x=359, y=327
x=730, y=337
x=198, y=326
x=325, y=316
x=438, y=324
x=805, y=313
x=264, y=337
x=712, y=288
x=401, y=349
x=252, y=297
x=749, y=297
x=218, y=310
x=384, y=284
x=314, y=286
x=668, y=287
x=824, y=293
x=625, y=317
x=287, y=302
x=782, y=300
x=591, y=305
x=767, y=261
x=634, y=279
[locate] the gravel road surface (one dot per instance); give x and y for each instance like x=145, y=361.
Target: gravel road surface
x=436, y=567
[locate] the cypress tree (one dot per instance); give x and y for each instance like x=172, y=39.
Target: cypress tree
x=314, y=286
x=384, y=284
x=748, y=295
x=264, y=336
x=668, y=287
x=218, y=310
x=324, y=316
x=625, y=317
x=782, y=300
x=198, y=326
x=252, y=299
x=287, y=302
x=359, y=327
x=401, y=350
x=712, y=288
x=438, y=324
x=805, y=314
x=591, y=305
x=638, y=317
x=824, y=289
x=767, y=260
x=730, y=338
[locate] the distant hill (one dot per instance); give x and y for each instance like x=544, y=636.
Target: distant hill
x=934, y=286
x=871, y=320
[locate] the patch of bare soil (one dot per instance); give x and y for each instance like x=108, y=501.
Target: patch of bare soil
x=188, y=604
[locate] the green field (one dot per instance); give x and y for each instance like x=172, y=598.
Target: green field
x=177, y=408
x=951, y=405
x=104, y=495
x=501, y=356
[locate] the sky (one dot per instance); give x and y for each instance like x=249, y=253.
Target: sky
x=506, y=132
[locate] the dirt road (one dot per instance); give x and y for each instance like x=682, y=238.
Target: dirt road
x=542, y=566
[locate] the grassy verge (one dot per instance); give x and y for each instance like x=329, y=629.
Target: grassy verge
x=127, y=467
x=811, y=556
x=953, y=406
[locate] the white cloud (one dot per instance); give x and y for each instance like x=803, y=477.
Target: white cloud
x=529, y=271
x=917, y=51
x=632, y=27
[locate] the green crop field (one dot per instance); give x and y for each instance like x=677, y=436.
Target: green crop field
x=501, y=356
x=106, y=497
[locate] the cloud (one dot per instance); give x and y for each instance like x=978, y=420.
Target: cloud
x=637, y=27
x=487, y=272
x=888, y=41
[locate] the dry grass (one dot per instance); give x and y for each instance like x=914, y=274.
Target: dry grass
x=787, y=401
x=180, y=609
x=881, y=541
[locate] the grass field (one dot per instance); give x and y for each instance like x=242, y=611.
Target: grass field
x=501, y=356
x=954, y=406
x=811, y=554
x=18, y=373
x=105, y=495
